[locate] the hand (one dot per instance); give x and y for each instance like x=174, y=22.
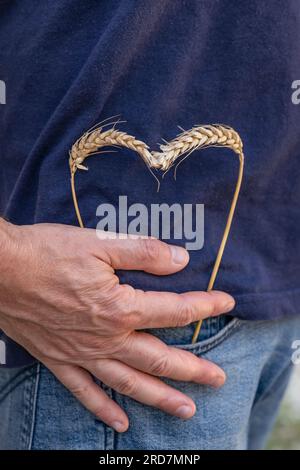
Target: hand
x=61, y=299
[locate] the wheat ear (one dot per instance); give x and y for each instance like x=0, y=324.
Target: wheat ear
x=184, y=144
x=216, y=135
x=90, y=143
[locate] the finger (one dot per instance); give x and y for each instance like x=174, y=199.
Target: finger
x=149, y=254
x=143, y=388
x=149, y=354
x=167, y=309
x=103, y=235
x=92, y=397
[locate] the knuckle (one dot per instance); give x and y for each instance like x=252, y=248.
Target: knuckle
x=81, y=392
x=93, y=313
x=88, y=310
x=211, y=305
x=160, y=366
x=185, y=314
x=115, y=308
x=125, y=301
x=149, y=250
x=124, y=310
x=127, y=384
x=119, y=320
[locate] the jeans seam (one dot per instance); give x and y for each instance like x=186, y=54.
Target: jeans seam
x=29, y=387
x=34, y=405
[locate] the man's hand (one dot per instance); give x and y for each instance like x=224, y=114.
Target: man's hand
x=61, y=299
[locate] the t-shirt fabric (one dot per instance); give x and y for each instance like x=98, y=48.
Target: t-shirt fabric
x=69, y=64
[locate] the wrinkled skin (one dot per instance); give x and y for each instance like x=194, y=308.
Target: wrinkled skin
x=61, y=299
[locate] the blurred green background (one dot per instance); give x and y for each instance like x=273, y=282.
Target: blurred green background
x=286, y=434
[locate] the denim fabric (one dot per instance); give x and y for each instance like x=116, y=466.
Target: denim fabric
x=37, y=412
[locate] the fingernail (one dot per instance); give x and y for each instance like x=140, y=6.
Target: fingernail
x=118, y=426
x=179, y=255
x=228, y=306
x=218, y=381
x=184, y=411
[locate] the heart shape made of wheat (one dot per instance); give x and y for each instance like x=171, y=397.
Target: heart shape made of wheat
x=200, y=136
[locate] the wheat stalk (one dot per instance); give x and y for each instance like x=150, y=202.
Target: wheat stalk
x=216, y=135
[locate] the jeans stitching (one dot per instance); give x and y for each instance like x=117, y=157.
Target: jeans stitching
x=216, y=339
x=29, y=387
x=34, y=402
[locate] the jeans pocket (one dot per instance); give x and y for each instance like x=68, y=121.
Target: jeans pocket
x=213, y=331
x=215, y=338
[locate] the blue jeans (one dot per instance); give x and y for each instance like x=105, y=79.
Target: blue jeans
x=37, y=412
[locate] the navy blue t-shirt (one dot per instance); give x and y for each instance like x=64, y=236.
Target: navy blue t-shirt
x=68, y=64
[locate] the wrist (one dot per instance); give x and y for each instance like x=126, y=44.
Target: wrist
x=9, y=249
x=4, y=244
x=6, y=238
x=9, y=234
